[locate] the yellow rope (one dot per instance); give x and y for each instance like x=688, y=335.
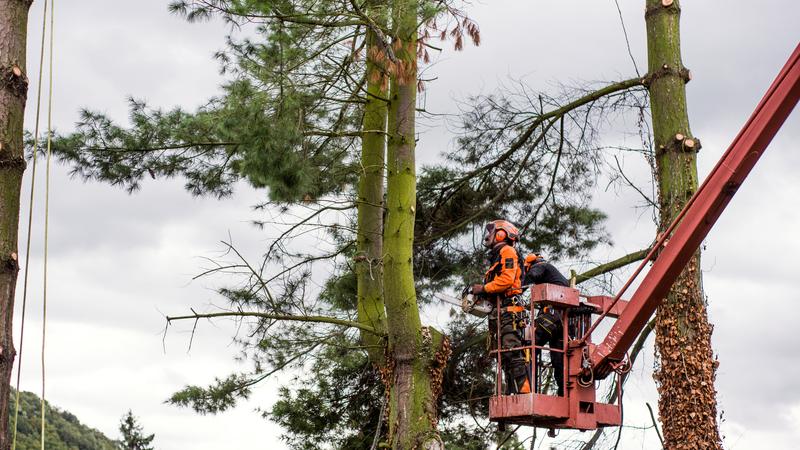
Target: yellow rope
x=47, y=206
x=30, y=222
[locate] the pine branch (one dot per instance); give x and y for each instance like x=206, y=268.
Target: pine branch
x=286, y=317
x=157, y=149
x=494, y=201
x=613, y=265
x=299, y=19
x=554, y=114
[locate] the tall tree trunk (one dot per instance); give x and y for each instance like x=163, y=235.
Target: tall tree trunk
x=13, y=92
x=418, y=354
x=685, y=377
x=369, y=254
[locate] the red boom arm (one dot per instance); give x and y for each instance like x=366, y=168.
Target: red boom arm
x=694, y=222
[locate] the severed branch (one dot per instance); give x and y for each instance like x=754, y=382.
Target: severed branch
x=288, y=317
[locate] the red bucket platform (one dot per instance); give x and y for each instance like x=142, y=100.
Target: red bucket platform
x=578, y=408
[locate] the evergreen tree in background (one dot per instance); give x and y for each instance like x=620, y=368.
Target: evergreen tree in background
x=133, y=437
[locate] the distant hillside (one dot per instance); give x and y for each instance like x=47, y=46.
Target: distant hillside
x=63, y=431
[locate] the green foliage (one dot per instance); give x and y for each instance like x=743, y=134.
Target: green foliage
x=469, y=376
x=289, y=120
x=336, y=403
x=133, y=437
x=464, y=437
x=341, y=291
x=286, y=121
x=237, y=136
x=63, y=431
x=219, y=396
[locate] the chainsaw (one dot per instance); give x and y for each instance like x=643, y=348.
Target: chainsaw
x=471, y=304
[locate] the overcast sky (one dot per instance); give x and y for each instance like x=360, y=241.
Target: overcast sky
x=119, y=262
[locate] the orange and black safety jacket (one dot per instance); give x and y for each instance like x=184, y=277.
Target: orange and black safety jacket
x=504, y=276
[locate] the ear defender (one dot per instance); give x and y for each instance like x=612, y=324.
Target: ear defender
x=500, y=236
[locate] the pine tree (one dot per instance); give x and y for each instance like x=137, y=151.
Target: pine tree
x=302, y=97
x=686, y=371
x=133, y=437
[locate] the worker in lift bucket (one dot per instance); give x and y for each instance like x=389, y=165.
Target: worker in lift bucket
x=539, y=271
x=502, y=285
x=549, y=329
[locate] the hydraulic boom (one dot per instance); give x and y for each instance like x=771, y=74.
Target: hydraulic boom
x=676, y=246
x=577, y=407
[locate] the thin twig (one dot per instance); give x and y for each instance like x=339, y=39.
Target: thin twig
x=655, y=424
x=508, y=436
x=376, y=439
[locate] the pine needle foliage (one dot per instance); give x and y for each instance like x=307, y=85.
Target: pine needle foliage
x=337, y=403
x=289, y=120
x=133, y=436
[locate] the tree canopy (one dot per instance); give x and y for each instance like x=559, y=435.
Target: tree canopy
x=290, y=120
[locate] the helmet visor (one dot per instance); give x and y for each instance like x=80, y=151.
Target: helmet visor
x=488, y=235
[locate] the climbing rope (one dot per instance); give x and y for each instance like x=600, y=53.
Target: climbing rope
x=30, y=220
x=47, y=206
x=30, y=224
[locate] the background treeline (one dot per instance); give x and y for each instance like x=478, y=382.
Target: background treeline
x=63, y=431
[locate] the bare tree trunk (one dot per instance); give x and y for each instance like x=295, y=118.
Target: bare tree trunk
x=685, y=377
x=418, y=355
x=13, y=92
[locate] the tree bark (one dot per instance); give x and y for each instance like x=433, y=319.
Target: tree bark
x=369, y=253
x=13, y=93
x=687, y=370
x=418, y=354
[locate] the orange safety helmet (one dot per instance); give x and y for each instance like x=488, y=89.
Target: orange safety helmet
x=498, y=231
